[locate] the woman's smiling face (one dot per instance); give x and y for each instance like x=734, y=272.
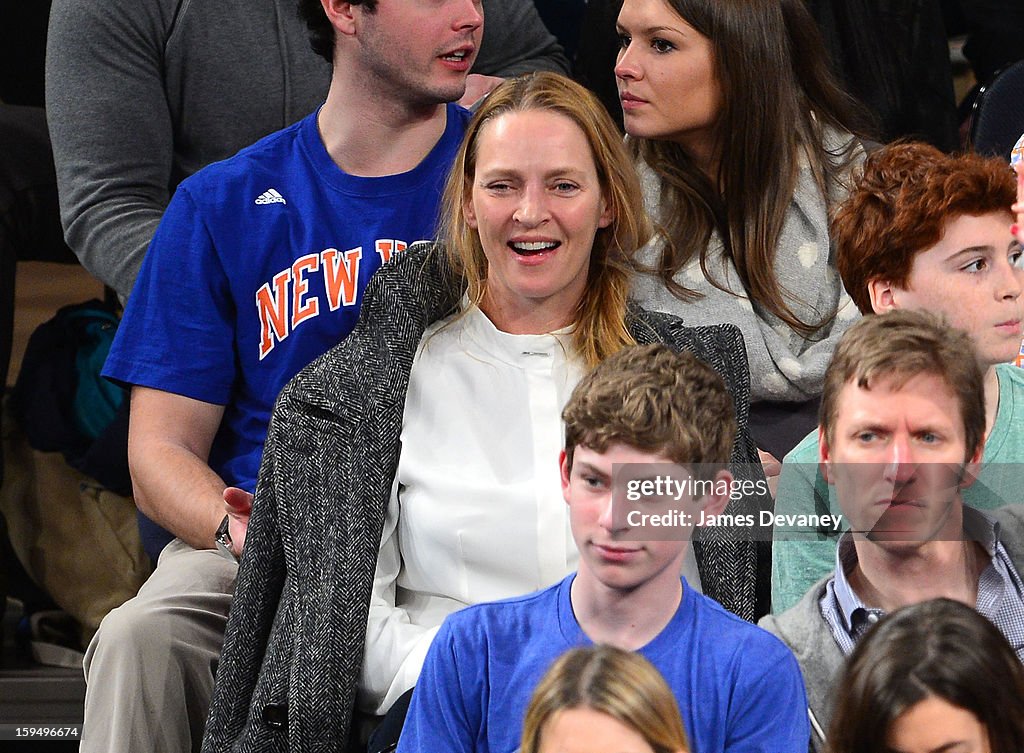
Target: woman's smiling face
x=536, y=203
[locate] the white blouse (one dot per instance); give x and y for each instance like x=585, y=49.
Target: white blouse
x=477, y=513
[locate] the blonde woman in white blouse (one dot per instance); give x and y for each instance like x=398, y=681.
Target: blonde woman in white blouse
x=541, y=214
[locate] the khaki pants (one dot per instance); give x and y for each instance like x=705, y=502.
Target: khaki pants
x=149, y=669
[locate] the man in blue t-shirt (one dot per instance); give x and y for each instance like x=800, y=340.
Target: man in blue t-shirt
x=258, y=267
x=644, y=431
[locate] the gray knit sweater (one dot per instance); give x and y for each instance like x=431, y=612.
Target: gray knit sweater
x=784, y=365
x=803, y=628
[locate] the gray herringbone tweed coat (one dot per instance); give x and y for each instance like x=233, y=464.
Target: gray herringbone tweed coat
x=294, y=642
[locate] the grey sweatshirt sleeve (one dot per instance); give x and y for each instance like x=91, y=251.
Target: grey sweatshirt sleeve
x=111, y=130
x=517, y=41
x=143, y=93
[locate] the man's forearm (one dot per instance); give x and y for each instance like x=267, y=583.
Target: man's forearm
x=516, y=41
x=181, y=493
x=169, y=440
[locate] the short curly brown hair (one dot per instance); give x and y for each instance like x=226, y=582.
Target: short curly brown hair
x=655, y=400
x=902, y=200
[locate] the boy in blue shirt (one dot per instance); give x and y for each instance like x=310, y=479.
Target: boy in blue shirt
x=643, y=422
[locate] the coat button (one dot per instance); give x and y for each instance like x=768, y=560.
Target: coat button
x=275, y=715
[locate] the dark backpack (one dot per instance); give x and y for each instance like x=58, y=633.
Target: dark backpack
x=63, y=404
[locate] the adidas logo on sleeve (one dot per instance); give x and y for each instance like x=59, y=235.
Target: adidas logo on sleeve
x=270, y=196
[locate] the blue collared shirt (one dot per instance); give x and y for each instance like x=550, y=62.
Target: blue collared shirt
x=1000, y=590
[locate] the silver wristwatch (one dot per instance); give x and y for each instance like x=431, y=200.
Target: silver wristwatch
x=223, y=539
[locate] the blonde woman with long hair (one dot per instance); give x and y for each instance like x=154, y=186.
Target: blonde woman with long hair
x=423, y=442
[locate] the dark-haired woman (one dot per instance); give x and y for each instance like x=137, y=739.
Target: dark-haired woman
x=744, y=145
x=935, y=676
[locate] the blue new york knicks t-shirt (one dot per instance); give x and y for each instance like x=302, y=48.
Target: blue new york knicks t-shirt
x=258, y=267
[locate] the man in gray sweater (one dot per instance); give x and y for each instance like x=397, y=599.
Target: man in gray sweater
x=903, y=422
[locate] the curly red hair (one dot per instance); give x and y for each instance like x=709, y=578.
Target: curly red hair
x=901, y=202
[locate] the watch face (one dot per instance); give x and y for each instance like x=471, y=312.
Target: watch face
x=223, y=540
